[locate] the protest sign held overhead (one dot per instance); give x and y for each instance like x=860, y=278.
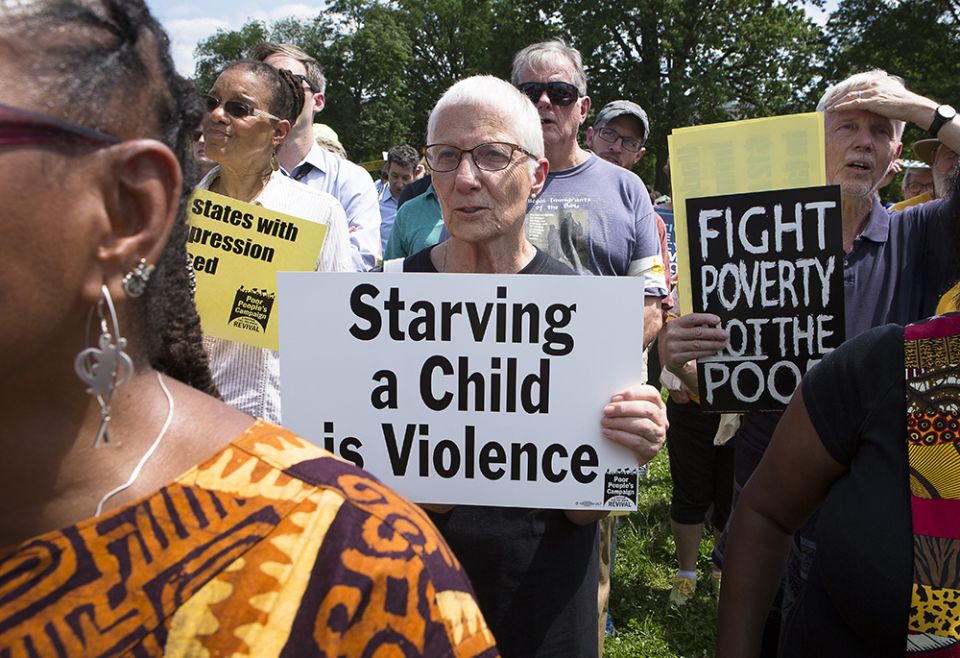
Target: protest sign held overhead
x=770, y=265
x=466, y=389
x=236, y=249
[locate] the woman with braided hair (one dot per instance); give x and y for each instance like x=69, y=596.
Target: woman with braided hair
x=250, y=110
x=139, y=515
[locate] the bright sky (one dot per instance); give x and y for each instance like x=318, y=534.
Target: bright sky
x=189, y=22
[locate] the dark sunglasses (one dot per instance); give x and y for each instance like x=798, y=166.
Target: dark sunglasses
x=25, y=127
x=236, y=109
x=559, y=93
x=304, y=80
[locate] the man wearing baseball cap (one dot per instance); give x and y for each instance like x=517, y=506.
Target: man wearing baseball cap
x=619, y=133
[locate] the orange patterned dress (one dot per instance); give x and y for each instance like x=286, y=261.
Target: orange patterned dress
x=272, y=547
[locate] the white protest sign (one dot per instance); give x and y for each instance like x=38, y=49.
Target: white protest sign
x=466, y=388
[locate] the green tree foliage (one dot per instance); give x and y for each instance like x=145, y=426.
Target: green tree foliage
x=386, y=63
x=214, y=52
x=687, y=62
x=915, y=39
x=368, y=102
x=690, y=62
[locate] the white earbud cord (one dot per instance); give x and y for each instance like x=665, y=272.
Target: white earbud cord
x=143, y=460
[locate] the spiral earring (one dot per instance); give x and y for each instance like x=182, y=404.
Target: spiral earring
x=105, y=367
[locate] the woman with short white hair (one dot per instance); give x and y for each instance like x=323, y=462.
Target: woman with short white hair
x=534, y=571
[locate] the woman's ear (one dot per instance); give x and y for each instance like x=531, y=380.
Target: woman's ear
x=142, y=196
x=539, y=176
x=280, y=131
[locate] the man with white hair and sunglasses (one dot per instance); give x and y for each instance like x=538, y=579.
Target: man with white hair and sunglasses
x=592, y=215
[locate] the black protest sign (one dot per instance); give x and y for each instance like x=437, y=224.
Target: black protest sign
x=770, y=265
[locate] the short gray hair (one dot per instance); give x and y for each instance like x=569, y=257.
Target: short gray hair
x=518, y=113
x=859, y=80
x=547, y=54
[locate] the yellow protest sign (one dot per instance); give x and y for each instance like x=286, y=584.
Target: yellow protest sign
x=737, y=157
x=237, y=248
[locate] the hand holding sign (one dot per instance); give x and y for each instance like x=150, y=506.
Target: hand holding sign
x=637, y=418
x=689, y=337
x=471, y=389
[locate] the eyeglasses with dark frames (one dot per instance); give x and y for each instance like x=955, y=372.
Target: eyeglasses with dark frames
x=489, y=156
x=18, y=126
x=609, y=135
x=236, y=109
x=306, y=81
x=559, y=93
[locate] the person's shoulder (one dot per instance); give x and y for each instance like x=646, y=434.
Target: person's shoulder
x=413, y=206
x=343, y=172
x=632, y=190
x=616, y=172
x=305, y=466
x=544, y=263
x=420, y=261
x=374, y=530
x=282, y=184
x=868, y=352
x=427, y=198
x=927, y=209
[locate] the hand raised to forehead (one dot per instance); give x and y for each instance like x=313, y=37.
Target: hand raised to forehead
x=888, y=99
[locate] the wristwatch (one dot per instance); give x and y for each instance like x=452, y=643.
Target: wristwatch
x=943, y=114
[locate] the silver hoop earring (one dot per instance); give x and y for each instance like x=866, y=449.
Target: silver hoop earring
x=105, y=367
x=135, y=281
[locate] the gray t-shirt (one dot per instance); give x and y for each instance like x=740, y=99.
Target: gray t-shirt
x=597, y=218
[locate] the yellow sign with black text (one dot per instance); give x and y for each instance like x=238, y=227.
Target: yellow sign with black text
x=236, y=250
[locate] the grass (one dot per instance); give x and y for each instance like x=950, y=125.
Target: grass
x=647, y=625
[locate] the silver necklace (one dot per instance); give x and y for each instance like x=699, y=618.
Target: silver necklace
x=149, y=453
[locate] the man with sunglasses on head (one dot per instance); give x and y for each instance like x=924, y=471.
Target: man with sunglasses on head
x=304, y=160
x=592, y=215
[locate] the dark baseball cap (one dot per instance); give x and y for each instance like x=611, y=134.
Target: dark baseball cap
x=615, y=109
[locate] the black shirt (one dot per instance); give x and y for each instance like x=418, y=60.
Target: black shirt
x=542, y=263
x=857, y=598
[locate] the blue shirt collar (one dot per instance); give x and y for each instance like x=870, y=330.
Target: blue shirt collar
x=878, y=223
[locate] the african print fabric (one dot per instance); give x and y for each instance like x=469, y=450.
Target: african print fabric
x=932, y=362
x=272, y=547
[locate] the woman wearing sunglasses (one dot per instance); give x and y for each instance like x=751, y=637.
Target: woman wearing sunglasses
x=139, y=515
x=250, y=110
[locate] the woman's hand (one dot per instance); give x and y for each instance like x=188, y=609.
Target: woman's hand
x=636, y=418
